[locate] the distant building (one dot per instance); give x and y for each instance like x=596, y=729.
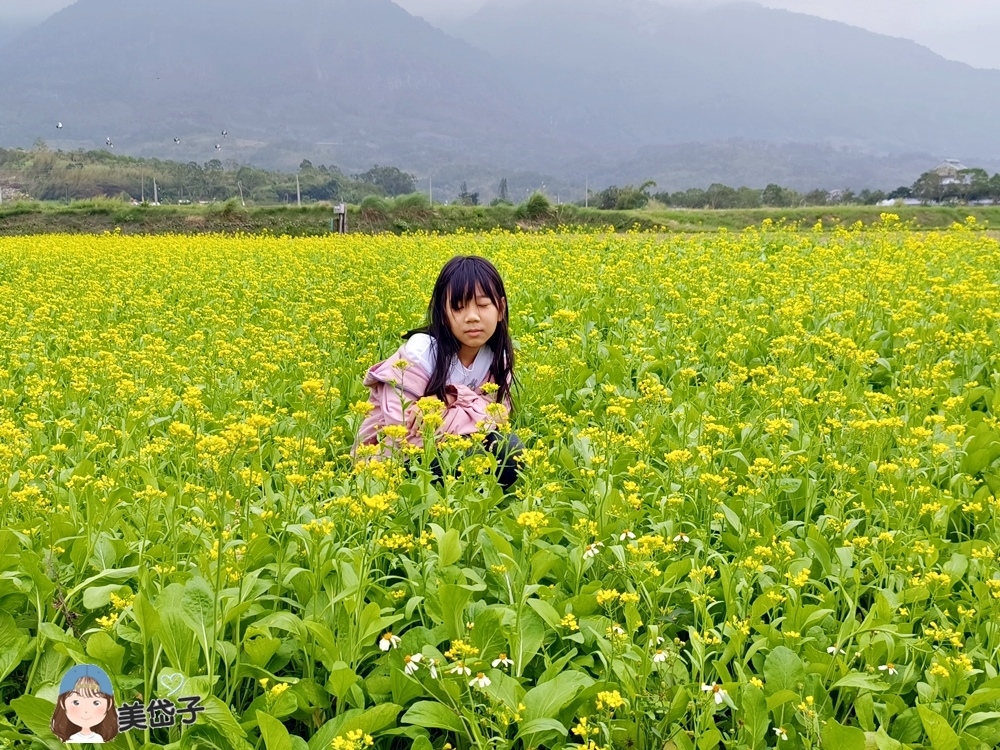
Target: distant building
x=949, y=171
x=900, y=202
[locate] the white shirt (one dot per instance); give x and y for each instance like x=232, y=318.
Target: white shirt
x=421, y=349
x=81, y=737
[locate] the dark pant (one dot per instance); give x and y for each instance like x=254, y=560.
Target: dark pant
x=505, y=451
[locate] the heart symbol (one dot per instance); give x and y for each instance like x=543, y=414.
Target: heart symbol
x=171, y=682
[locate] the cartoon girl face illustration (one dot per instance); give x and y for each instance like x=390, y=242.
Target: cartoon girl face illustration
x=85, y=710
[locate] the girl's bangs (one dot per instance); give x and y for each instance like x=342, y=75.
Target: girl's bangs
x=89, y=692
x=468, y=276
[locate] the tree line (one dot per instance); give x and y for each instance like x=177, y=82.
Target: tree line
x=76, y=175
x=965, y=186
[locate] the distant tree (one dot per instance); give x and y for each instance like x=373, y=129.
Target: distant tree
x=776, y=196
x=818, y=197
x=720, y=196
x=391, y=179
x=995, y=187
x=306, y=164
x=974, y=185
x=748, y=198
x=929, y=187
x=466, y=198
x=899, y=193
x=213, y=166
x=502, y=192
x=626, y=198
x=871, y=197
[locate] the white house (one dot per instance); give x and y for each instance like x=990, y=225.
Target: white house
x=949, y=170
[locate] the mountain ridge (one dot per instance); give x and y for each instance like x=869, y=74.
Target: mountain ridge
x=607, y=89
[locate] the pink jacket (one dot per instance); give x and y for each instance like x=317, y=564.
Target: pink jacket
x=388, y=383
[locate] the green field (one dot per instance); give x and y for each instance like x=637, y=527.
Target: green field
x=757, y=509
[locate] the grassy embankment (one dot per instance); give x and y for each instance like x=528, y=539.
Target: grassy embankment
x=96, y=216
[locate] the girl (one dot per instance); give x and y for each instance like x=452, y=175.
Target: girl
x=464, y=346
x=85, y=710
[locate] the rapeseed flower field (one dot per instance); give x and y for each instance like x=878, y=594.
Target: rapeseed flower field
x=758, y=505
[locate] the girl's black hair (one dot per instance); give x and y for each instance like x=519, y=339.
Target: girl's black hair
x=461, y=276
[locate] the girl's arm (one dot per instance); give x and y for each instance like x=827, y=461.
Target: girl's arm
x=387, y=410
x=466, y=411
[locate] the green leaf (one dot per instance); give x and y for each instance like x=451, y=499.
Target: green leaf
x=96, y=597
x=13, y=645
x=546, y=611
x=453, y=599
x=710, y=739
x=116, y=574
x=260, y=650
x=547, y=700
x=449, y=548
x=433, y=715
x=487, y=635
x=780, y=698
x=146, y=615
x=218, y=715
x=531, y=731
x=275, y=735
x=783, y=670
x=841, y=737
x=861, y=681
x=980, y=697
x=939, y=732
x=35, y=713
x=532, y=636
x=102, y=647
x=884, y=742
x=342, y=677
x=373, y=720
x=755, y=716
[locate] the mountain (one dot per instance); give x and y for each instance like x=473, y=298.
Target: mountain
x=653, y=74
x=10, y=28
x=605, y=90
x=350, y=81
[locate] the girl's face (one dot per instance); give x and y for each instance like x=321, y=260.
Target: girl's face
x=475, y=321
x=86, y=712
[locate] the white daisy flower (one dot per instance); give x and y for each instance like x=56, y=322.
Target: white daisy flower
x=682, y=538
x=460, y=669
x=480, y=681
x=432, y=665
x=411, y=663
x=717, y=692
x=782, y=734
x=388, y=641
x=626, y=535
x=659, y=657
x=591, y=550
x=502, y=659
x=833, y=650
x=890, y=668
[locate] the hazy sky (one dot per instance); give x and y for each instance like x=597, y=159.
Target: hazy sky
x=964, y=30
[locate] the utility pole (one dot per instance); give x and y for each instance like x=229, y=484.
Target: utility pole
x=142, y=180
x=430, y=181
x=298, y=191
